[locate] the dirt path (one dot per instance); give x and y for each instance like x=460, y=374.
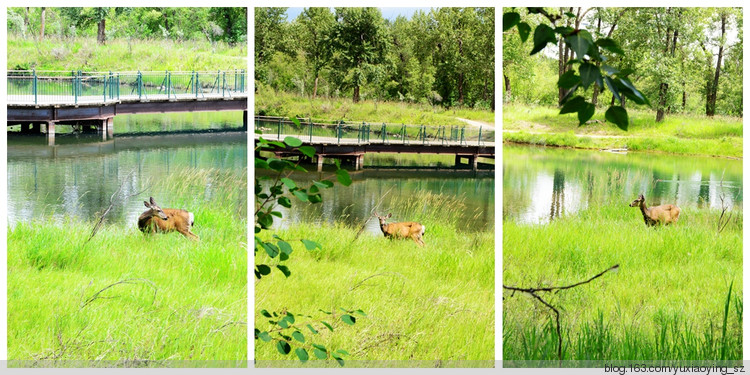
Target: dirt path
x=576, y=134
x=477, y=124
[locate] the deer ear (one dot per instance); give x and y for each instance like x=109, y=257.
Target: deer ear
x=640, y=196
x=389, y=215
x=153, y=202
x=146, y=204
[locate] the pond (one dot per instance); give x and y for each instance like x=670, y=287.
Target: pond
x=541, y=184
x=77, y=176
x=402, y=192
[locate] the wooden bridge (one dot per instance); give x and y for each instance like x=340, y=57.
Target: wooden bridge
x=38, y=101
x=352, y=142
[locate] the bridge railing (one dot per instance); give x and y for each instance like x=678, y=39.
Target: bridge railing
x=341, y=132
x=78, y=87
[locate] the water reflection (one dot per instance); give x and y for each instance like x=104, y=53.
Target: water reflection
x=78, y=179
x=541, y=184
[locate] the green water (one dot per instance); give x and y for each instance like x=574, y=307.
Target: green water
x=541, y=184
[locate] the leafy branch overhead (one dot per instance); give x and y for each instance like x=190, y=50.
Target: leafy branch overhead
x=271, y=191
x=591, y=56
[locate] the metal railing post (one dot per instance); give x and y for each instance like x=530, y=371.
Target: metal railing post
x=403, y=133
x=104, y=89
x=479, y=142
x=462, y=136
x=139, y=83
x=223, y=83
x=278, y=135
x=118, y=86
x=33, y=88
x=310, y=129
x=383, y=134
x=338, y=132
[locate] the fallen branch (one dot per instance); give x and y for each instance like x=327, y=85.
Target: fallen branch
x=533, y=292
x=372, y=212
x=111, y=204
x=96, y=296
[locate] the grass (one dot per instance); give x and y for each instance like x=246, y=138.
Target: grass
x=269, y=102
x=670, y=299
x=679, y=134
x=83, y=53
x=128, y=300
x=426, y=306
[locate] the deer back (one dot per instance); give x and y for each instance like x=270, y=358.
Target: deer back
x=404, y=229
x=667, y=213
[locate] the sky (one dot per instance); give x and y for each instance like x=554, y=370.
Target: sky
x=388, y=13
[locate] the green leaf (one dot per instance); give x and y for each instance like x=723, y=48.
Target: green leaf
x=263, y=269
x=295, y=121
x=542, y=35
x=342, y=351
x=610, y=70
x=573, y=105
x=285, y=247
x=300, y=195
x=613, y=88
x=283, y=323
x=311, y=245
x=570, y=93
x=579, y=44
x=348, y=319
x=618, y=116
x=360, y=312
x=283, y=347
x=325, y=184
x=308, y=151
x=343, y=176
x=277, y=164
x=292, y=141
x=589, y=74
x=523, y=31
x=633, y=93
x=261, y=164
x=568, y=79
x=271, y=249
x=510, y=19
x=298, y=336
x=265, y=220
x=313, y=330
x=320, y=353
x=327, y=326
x=610, y=45
x=585, y=113
x=338, y=359
x=276, y=213
x=265, y=313
x=284, y=270
x=289, y=317
x=288, y=182
x=264, y=336
x=302, y=354
x=285, y=202
x=564, y=30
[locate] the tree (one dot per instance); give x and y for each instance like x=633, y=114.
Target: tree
x=233, y=22
x=269, y=36
x=359, y=42
x=42, y=21
x=315, y=26
x=714, y=85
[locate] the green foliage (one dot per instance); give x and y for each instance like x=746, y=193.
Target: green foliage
x=284, y=327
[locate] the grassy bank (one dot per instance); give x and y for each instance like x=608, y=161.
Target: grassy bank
x=125, y=299
x=86, y=54
x=667, y=301
x=269, y=102
x=430, y=306
x=679, y=134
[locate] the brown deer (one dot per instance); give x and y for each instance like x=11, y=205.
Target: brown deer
x=409, y=229
x=664, y=214
x=156, y=219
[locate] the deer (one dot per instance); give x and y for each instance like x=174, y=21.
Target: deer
x=409, y=229
x=664, y=214
x=156, y=219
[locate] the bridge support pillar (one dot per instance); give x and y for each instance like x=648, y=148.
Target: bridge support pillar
x=320, y=163
x=244, y=120
x=108, y=128
x=358, y=161
x=474, y=161
x=26, y=128
x=50, y=125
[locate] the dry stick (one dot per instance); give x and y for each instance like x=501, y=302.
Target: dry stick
x=95, y=296
x=111, y=204
x=533, y=291
x=371, y=213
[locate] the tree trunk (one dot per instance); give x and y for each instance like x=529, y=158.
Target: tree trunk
x=355, y=97
x=41, y=27
x=26, y=18
x=508, y=91
x=664, y=87
x=100, y=34
x=711, y=108
x=315, y=88
x=461, y=88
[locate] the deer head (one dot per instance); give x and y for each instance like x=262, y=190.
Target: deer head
x=154, y=209
x=638, y=201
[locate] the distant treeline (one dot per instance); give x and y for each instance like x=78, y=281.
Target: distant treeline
x=442, y=57
x=213, y=24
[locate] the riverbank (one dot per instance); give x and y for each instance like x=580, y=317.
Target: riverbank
x=678, y=134
x=269, y=102
x=68, y=54
x=664, y=303
x=128, y=300
x=419, y=301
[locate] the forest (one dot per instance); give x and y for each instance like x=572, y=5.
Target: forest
x=442, y=57
x=212, y=24
x=685, y=60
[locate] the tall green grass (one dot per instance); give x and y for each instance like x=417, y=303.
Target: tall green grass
x=678, y=133
x=426, y=306
x=269, y=102
x=133, y=300
x=676, y=296
x=84, y=53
